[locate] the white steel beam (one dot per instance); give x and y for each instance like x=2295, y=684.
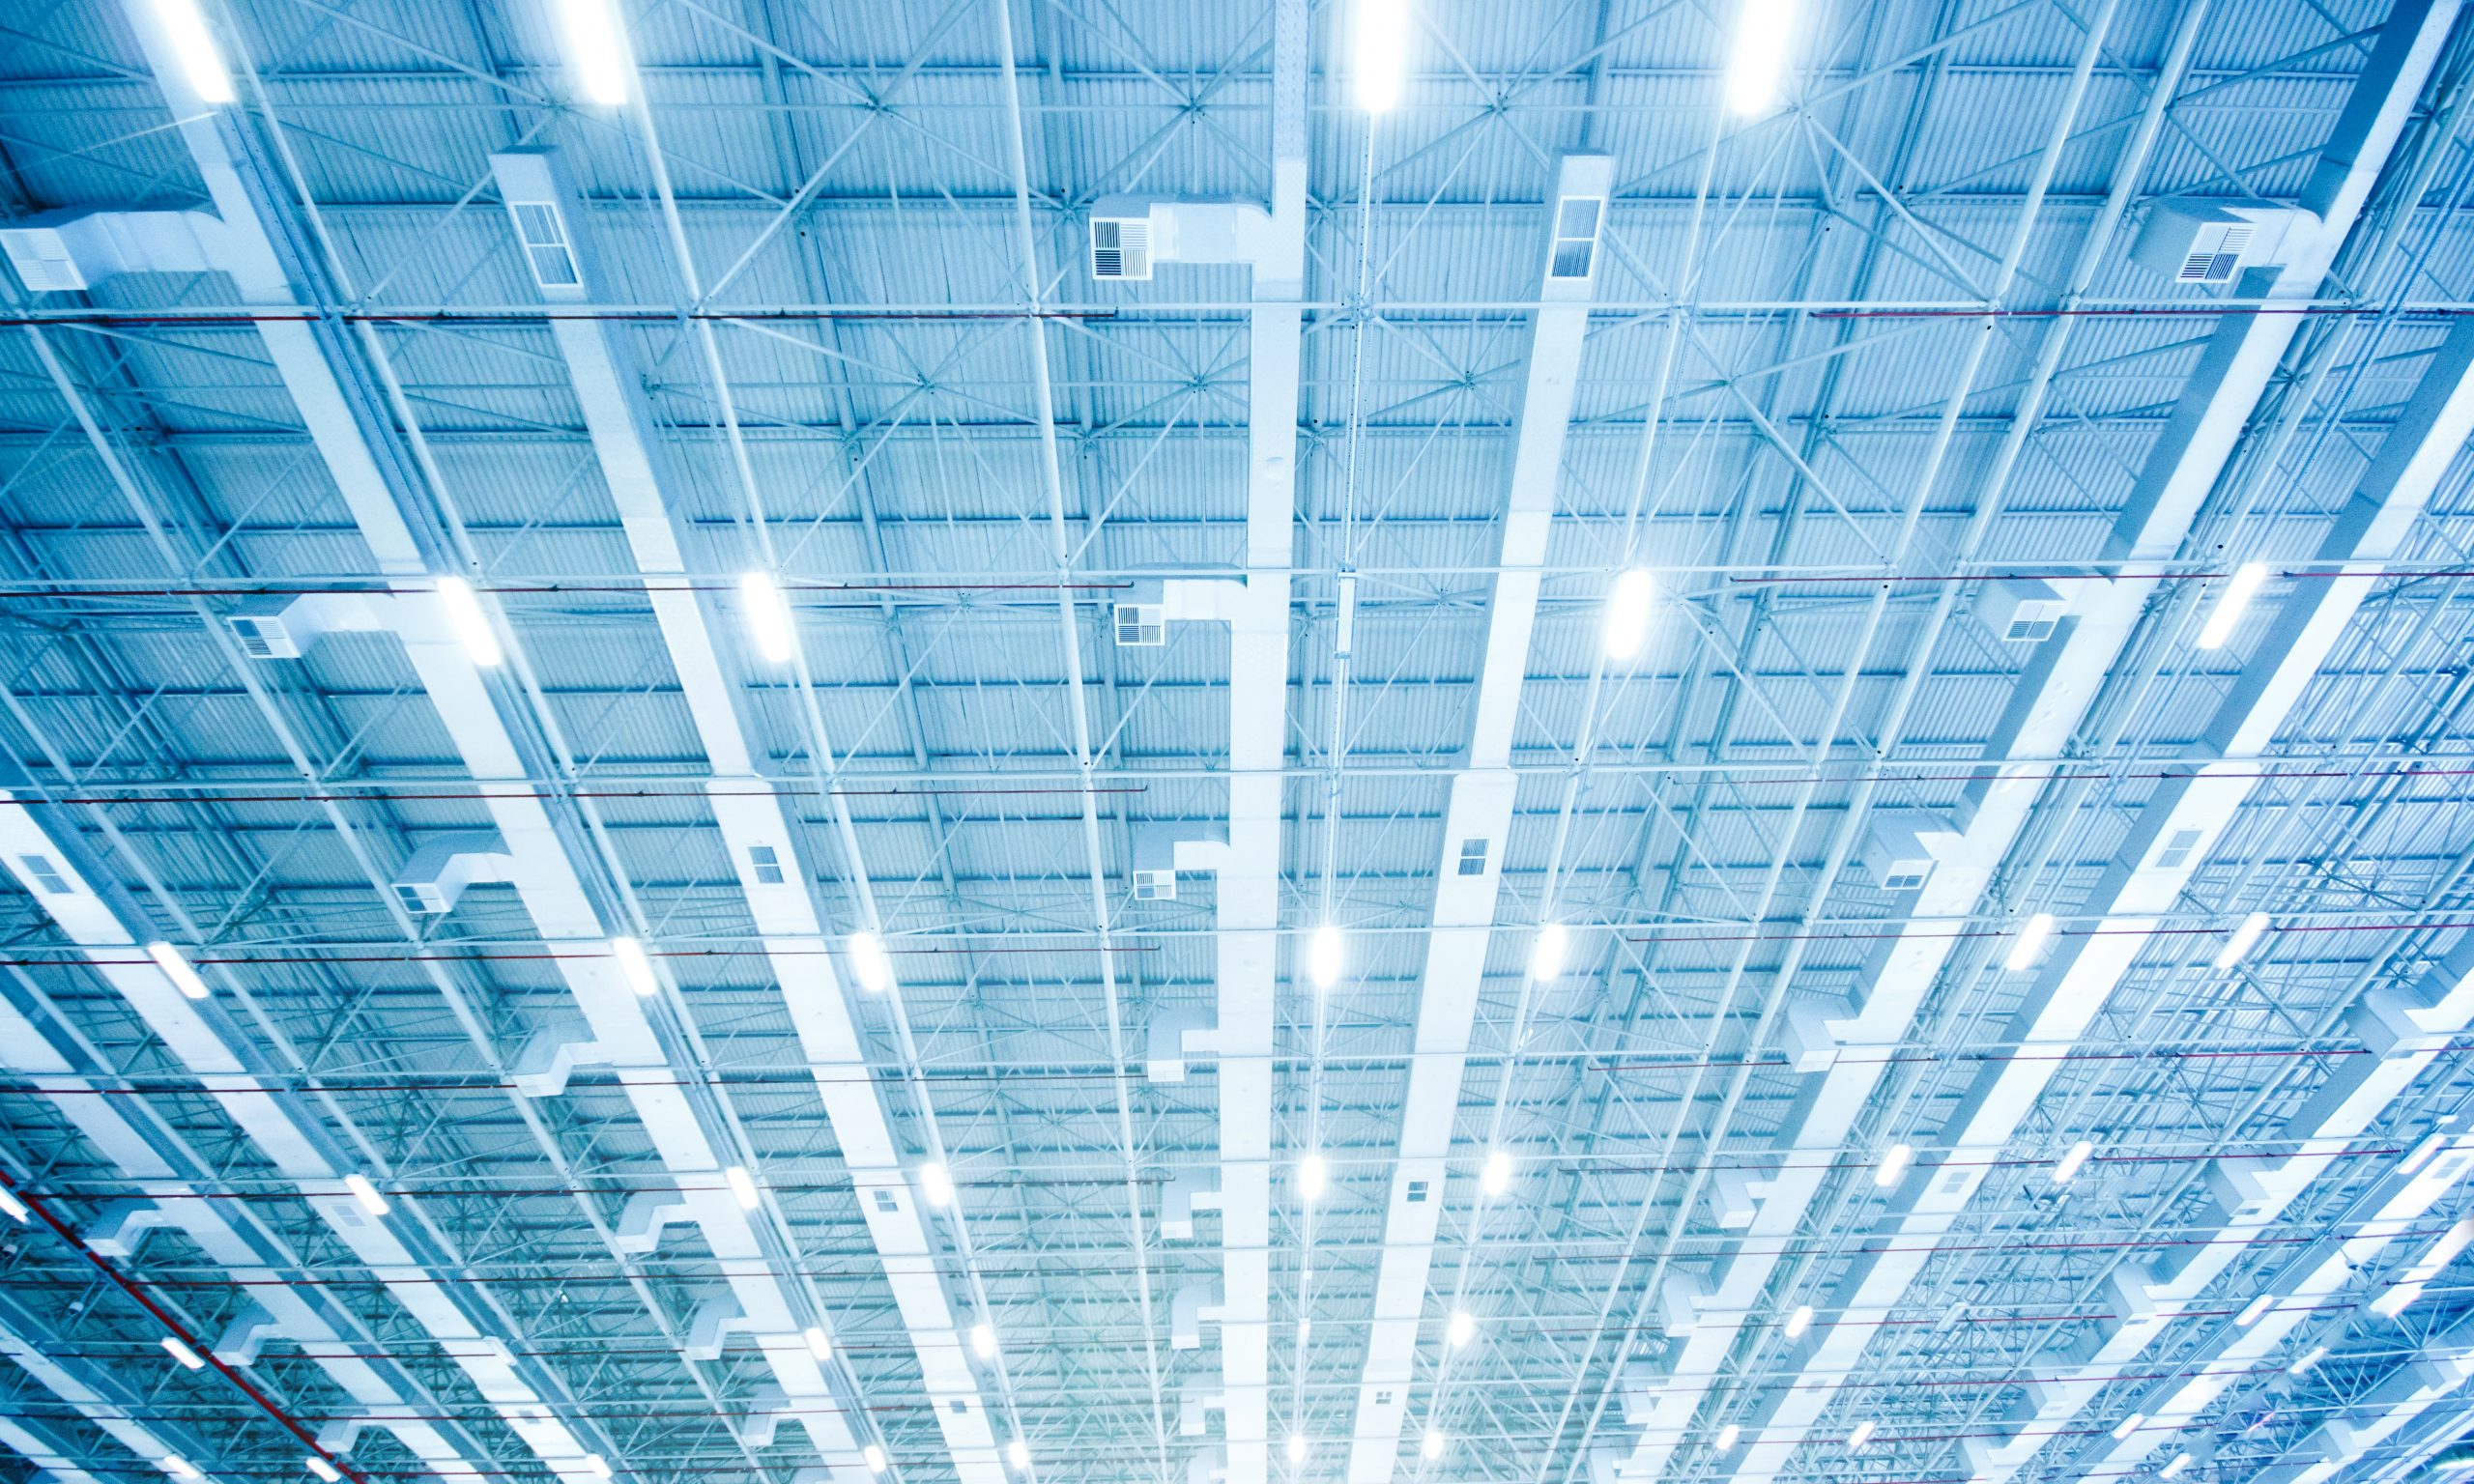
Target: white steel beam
x=1480, y=812
x=777, y=887
x=2065, y=676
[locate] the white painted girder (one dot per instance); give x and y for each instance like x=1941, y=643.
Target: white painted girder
x=789, y=922
x=2063, y=679
x=1480, y=808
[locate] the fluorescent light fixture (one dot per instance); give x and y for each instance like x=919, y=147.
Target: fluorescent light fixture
x=2128, y=1425
x=1382, y=59
x=742, y=1184
x=820, y=1344
x=2245, y=938
x=471, y=625
x=1546, y=953
x=875, y=1457
x=2067, y=1168
x=16, y=1208
x=191, y=1359
x=2252, y=1311
x=1727, y=1436
x=1297, y=1447
x=1862, y=1435
x=635, y=966
x=1460, y=1329
x=2238, y=591
x=1018, y=1453
x=1495, y=1177
x=2394, y=1298
x=937, y=1184
x=2415, y=1159
x=1625, y=622
x=1313, y=1177
x=1433, y=1445
x=1763, y=30
x=868, y=961
x=596, y=1465
x=2309, y=1361
x=594, y=50
x=184, y=27
x=769, y=617
x=1800, y=1321
x=181, y=1468
x=1326, y=954
x=366, y=1193
x=1893, y=1166
x=176, y=968
x=2181, y=1461
x=983, y=1341
x=322, y=1468
x=2031, y=939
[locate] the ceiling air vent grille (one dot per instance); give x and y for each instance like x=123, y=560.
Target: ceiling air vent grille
x=1575, y=251
x=545, y=245
x=42, y=258
x=2179, y=848
x=2215, y=253
x=1141, y=625
x=1121, y=247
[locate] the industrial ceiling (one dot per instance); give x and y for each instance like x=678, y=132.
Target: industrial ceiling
x=1357, y=742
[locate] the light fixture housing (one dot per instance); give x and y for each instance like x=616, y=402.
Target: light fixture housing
x=181, y=1468
x=983, y=1341
x=1018, y=1453
x=769, y=617
x=16, y=1208
x=1380, y=62
x=1326, y=955
x=1314, y=1178
x=635, y=966
x=820, y=1343
x=2034, y=934
x=1494, y=1176
x=1800, y=1321
x=2128, y=1425
x=2254, y=1311
x=1624, y=625
x=1546, y=953
x=176, y=967
x=470, y=622
x=868, y=961
x=178, y=1350
x=2239, y=590
x=1893, y=1166
x=1763, y=30
x=366, y=1193
x=2067, y=1168
x=1297, y=1447
x=742, y=1186
x=936, y=1185
x=1432, y=1446
x=2245, y=937
x=326, y=1472
x=875, y=1458
x=185, y=26
x=596, y=1465
x=595, y=50
x=2309, y=1361
x=1727, y=1436
x=1860, y=1435
x=2173, y=1469
x=1460, y=1328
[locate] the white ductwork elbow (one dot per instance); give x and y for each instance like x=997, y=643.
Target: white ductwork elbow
x=1162, y=851
x=1207, y=1464
x=59, y=252
x=1196, y=1304
x=122, y=1226
x=284, y=627
x=1196, y=1401
x=646, y=1213
x=1810, y=1036
x=716, y=1316
x=246, y=1338
x=434, y=880
x=1187, y=1193
x=1173, y=1037
x=552, y=1055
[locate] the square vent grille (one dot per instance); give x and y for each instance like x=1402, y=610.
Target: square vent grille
x=1141, y=625
x=42, y=258
x=1121, y=247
